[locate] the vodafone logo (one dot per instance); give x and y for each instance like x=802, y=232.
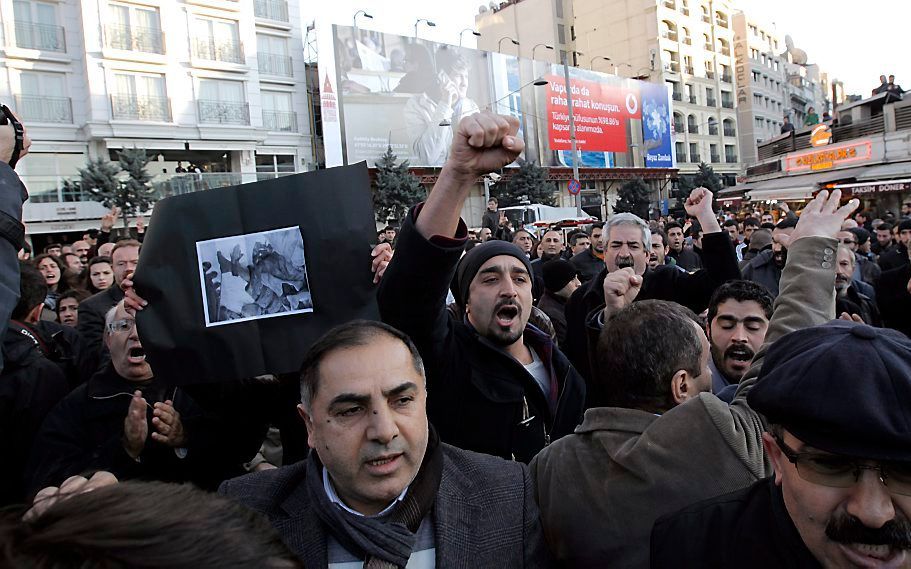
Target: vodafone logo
x=632, y=103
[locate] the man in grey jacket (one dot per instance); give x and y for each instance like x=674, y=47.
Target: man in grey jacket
x=378, y=488
x=601, y=489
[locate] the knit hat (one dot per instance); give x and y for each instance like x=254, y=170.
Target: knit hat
x=760, y=239
x=557, y=274
x=473, y=260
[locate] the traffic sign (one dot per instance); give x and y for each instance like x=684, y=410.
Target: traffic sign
x=574, y=187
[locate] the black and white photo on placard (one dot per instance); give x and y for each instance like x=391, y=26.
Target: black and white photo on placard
x=253, y=276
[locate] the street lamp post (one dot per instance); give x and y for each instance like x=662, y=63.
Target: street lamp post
x=475, y=33
x=500, y=43
x=550, y=47
x=572, y=131
x=591, y=64
x=361, y=12
x=418, y=22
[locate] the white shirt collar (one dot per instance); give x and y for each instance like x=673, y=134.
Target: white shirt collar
x=333, y=497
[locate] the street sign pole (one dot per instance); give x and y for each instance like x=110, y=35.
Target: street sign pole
x=572, y=131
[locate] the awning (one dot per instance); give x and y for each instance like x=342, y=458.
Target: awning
x=886, y=171
x=802, y=187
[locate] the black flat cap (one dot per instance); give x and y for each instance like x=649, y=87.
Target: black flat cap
x=842, y=387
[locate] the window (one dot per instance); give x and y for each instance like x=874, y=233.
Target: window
x=694, y=152
x=713, y=150
x=686, y=35
x=36, y=26
x=729, y=129
x=44, y=173
x=713, y=126
x=561, y=33
x=134, y=28
x=217, y=40
x=41, y=99
x=756, y=76
x=691, y=125
x=140, y=96
x=688, y=64
x=222, y=102
x=559, y=8
x=754, y=53
x=730, y=154
x=272, y=55
x=680, y=147
x=707, y=43
x=678, y=122
x=278, y=114
x=725, y=46
x=668, y=30
x=274, y=164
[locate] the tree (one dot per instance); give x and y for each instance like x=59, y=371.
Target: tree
x=707, y=178
x=396, y=189
x=527, y=185
x=101, y=179
x=634, y=197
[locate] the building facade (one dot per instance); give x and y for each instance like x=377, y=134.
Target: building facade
x=213, y=90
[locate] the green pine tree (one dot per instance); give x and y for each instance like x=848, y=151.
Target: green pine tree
x=527, y=185
x=707, y=178
x=634, y=197
x=136, y=192
x=396, y=189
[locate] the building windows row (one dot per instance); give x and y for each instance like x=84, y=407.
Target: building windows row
x=692, y=125
x=690, y=153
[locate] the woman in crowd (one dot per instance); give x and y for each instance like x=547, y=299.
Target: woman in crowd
x=99, y=275
x=53, y=270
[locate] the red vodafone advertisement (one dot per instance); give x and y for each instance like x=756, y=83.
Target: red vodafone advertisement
x=600, y=113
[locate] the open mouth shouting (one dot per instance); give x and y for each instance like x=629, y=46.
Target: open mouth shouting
x=739, y=355
x=506, y=315
x=136, y=355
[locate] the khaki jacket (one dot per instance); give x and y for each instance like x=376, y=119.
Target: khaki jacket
x=601, y=489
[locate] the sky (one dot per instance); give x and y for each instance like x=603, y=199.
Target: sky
x=853, y=41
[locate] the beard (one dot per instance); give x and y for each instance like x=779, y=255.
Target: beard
x=506, y=335
x=848, y=529
x=624, y=262
x=780, y=258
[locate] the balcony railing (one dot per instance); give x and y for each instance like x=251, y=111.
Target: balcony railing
x=44, y=109
x=678, y=127
x=730, y=158
x=722, y=23
x=271, y=10
x=709, y=74
x=688, y=41
x=693, y=128
x=227, y=51
x=141, y=108
x=695, y=158
x=710, y=101
x=727, y=104
x=220, y=112
x=692, y=99
x=673, y=67
x=708, y=47
x=730, y=132
x=716, y=158
x=726, y=78
x=280, y=121
x=677, y=96
x=133, y=38
x=713, y=130
x=726, y=51
x=185, y=183
x=275, y=64
x=690, y=70
x=670, y=35
x=40, y=36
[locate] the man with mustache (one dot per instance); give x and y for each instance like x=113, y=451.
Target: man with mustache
x=765, y=268
x=627, y=244
x=684, y=256
x=852, y=296
x=500, y=386
x=378, y=488
x=840, y=495
x=737, y=321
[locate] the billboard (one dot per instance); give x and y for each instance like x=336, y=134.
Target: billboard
x=383, y=90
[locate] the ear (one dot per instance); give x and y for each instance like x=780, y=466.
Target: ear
x=308, y=421
x=34, y=315
x=775, y=455
x=681, y=387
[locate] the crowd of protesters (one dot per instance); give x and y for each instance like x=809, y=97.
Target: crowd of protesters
x=726, y=389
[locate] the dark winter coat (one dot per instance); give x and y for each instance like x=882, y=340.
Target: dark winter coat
x=480, y=397
x=91, y=322
x=894, y=299
x=30, y=386
x=688, y=258
x=588, y=265
x=762, y=270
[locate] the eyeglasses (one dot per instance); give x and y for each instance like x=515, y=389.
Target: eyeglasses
x=123, y=325
x=848, y=241
x=837, y=471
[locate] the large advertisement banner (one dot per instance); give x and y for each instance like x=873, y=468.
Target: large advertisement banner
x=391, y=91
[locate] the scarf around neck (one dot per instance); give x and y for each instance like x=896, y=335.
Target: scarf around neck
x=385, y=542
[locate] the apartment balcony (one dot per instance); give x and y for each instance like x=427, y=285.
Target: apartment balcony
x=275, y=64
x=280, y=121
x=271, y=10
x=221, y=112
x=678, y=127
x=706, y=19
x=677, y=96
x=730, y=158
x=716, y=158
x=40, y=36
x=727, y=104
x=688, y=41
x=711, y=102
x=695, y=158
x=708, y=47
x=689, y=69
x=709, y=74
x=692, y=99
x=670, y=35
x=721, y=23
x=226, y=51
x=726, y=78
x=725, y=51
x=133, y=38
x=140, y=108
x=693, y=128
x=730, y=132
x=713, y=130
x=672, y=67
x=33, y=108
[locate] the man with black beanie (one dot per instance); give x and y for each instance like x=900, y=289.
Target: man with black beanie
x=560, y=281
x=500, y=386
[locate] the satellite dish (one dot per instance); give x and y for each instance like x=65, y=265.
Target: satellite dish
x=482, y=9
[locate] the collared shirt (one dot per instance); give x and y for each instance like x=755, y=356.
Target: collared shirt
x=333, y=497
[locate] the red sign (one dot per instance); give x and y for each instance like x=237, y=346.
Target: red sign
x=832, y=156
x=600, y=112
x=574, y=187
